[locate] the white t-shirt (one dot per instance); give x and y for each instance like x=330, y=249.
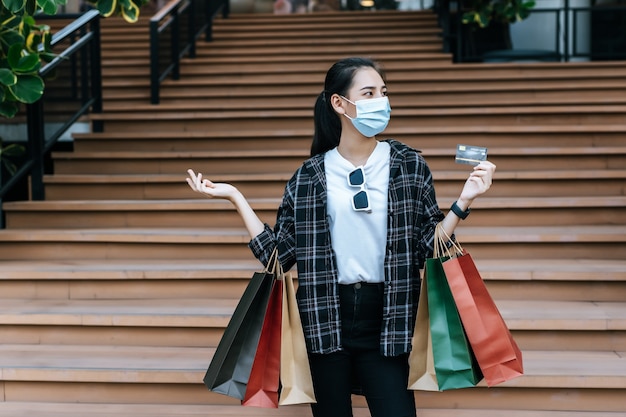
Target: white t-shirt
x=358, y=238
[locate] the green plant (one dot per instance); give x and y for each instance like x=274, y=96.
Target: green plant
x=482, y=12
x=7, y=153
x=24, y=44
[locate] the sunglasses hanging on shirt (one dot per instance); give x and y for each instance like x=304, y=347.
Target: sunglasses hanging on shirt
x=360, y=201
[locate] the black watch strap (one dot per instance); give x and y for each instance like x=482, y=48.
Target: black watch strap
x=460, y=213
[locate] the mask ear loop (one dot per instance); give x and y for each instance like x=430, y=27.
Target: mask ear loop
x=351, y=102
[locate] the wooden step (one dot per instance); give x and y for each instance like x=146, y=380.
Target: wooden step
x=512, y=279
x=494, y=137
x=548, y=183
x=177, y=95
x=267, y=161
x=399, y=83
x=542, y=324
x=421, y=41
x=21, y=409
x=401, y=118
x=601, y=242
x=49, y=373
x=487, y=211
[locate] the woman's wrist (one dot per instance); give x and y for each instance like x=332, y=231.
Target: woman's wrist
x=463, y=203
x=459, y=212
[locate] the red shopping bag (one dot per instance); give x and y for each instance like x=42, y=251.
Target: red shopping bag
x=498, y=356
x=263, y=385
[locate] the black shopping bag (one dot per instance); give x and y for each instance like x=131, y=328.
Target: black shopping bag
x=229, y=370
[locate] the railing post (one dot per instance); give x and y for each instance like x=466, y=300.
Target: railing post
x=191, y=31
x=36, y=137
x=225, y=9
x=96, y=74
x=154, y=62
x=176, y=44
x=208, y=33
x=566, y=52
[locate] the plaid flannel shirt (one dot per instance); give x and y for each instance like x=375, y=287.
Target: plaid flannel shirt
x=302, y=234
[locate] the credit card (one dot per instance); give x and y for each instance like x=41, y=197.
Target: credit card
x=471, y=155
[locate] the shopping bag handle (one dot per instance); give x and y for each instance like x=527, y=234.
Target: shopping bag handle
x=274, y=266
x=444, y=245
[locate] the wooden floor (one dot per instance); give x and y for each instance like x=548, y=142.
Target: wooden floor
x=115, y=290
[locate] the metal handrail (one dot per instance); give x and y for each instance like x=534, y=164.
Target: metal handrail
x=174, y=17
x=38, y=145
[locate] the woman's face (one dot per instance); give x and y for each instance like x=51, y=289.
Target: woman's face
x=366, y=84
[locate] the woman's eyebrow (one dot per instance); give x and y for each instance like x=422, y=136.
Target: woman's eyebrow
x=373, y=88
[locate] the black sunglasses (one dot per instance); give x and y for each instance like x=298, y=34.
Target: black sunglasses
x=360, y=201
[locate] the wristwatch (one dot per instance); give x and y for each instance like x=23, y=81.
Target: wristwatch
x=460, y=213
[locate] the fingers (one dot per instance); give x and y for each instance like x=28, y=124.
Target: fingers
x=195, y=181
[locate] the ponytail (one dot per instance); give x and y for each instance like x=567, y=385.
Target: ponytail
x=327, y=125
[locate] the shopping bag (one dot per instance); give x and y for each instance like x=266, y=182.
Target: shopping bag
x=263, y=384
x=496, y=351
x=229, y=370
x=295, y=373
x=455, y=364
x=421, y=363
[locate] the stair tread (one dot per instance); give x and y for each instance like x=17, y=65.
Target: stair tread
x=273, y=203
x=187, y=365
x=134, y=269
x=285, y=176
x=575, y=233
x=46, y=409
x=424, y=130
x=553, y=315
x=304, y=153
x=429, y=111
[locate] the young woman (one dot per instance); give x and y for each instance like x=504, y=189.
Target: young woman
x=358, y=220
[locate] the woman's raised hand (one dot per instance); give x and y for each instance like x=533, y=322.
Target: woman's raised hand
x=479, y=181
x=208, y=188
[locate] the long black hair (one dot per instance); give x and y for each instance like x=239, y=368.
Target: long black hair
x=339, y=79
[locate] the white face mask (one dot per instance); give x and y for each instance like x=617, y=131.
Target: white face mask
x=372, y=115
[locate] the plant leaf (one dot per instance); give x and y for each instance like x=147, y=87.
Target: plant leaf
x=130, y=13
x=31, y=7
x=28, y=63
x=8, y=109
x=106, y=7
x=14, y=6
x=13, y=150
x=7, y=77
x=10, y=166
x=28, y=89
x=48, y=6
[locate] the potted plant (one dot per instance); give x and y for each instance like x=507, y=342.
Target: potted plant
x=24, y=44
x=486, y=23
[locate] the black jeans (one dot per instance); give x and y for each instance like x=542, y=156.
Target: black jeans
x=359, y=367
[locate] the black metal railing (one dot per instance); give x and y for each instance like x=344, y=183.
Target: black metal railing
x=173, y=34
x=606, y=37
x=73, y=87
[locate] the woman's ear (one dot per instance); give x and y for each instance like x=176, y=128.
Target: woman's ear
x=338, y=104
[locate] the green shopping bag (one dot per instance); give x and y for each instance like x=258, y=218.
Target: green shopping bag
x=455, y=364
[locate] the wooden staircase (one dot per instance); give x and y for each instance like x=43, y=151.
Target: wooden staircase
x=116, y=289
